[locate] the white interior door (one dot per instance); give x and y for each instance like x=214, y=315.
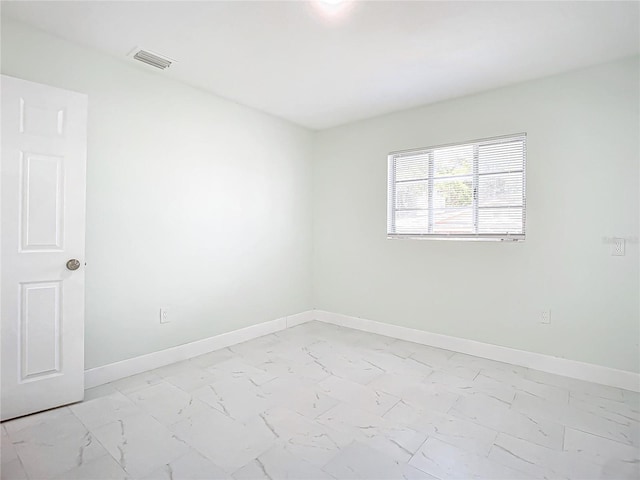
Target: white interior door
x=43, y=222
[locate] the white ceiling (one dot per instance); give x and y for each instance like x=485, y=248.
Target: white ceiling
x=296, y=61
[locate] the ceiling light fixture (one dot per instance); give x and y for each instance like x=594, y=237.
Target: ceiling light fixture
x=333, y=10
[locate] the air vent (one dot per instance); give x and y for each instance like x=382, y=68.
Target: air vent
x=153, y=59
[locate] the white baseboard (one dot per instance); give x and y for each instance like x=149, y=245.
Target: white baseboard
x=537, y=361
x=299, y=318
x=115, y=371
x=546, y=363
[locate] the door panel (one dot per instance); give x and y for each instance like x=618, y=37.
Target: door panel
x=42, y=202
x=43, y=222
x=39, y=329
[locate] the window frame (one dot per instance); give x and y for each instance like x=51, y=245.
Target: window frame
x=391, y=191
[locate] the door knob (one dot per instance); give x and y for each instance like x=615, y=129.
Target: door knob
x=73, y=264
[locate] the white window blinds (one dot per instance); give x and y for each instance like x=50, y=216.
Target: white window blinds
x=474, y=190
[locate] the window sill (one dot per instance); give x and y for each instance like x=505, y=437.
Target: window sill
x=464, y=238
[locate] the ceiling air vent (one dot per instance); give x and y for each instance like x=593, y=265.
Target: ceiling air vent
x=152, y=59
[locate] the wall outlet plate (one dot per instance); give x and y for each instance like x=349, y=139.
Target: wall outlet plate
x=545, y=317
x=618, y=247
x=164, y=315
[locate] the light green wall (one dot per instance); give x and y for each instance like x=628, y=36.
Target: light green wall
x=205, y=207
x=194, y=203
x=582, y=185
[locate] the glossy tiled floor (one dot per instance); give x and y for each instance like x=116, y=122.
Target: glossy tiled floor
x=319, y=401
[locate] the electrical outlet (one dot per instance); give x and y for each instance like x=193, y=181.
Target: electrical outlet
x=164, y=315
x=545, y=317
x=618, y=247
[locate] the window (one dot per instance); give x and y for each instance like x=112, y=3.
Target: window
x=473, y=190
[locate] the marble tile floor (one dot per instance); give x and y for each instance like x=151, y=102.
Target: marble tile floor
x=319, y=401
